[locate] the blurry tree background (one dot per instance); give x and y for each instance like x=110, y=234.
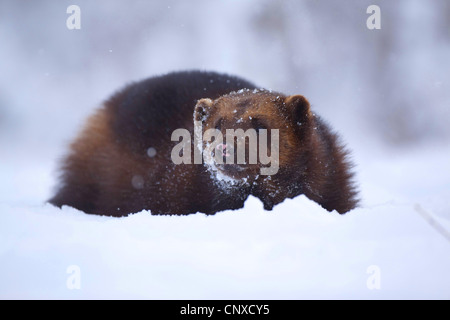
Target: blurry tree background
x=389, y=86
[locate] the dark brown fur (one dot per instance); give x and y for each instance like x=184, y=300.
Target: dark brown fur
x=109, y=171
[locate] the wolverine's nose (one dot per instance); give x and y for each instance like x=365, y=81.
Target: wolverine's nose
x=225, y=149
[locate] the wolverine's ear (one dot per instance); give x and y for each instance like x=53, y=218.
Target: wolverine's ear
x=203, y=108
x=299, y=106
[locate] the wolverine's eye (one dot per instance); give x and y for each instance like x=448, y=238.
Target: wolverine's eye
x=218, y=125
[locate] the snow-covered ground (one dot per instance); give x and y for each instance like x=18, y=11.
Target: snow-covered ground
x=396, y=245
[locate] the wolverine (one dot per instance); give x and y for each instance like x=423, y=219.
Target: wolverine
x=122, y=161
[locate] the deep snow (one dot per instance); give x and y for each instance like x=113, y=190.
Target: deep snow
x=298, y=250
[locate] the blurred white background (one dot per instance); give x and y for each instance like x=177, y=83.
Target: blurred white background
x=389, y=85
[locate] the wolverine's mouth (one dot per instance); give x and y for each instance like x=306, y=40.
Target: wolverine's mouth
x=231, y=168
x=239, y=172
x=222, y=154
